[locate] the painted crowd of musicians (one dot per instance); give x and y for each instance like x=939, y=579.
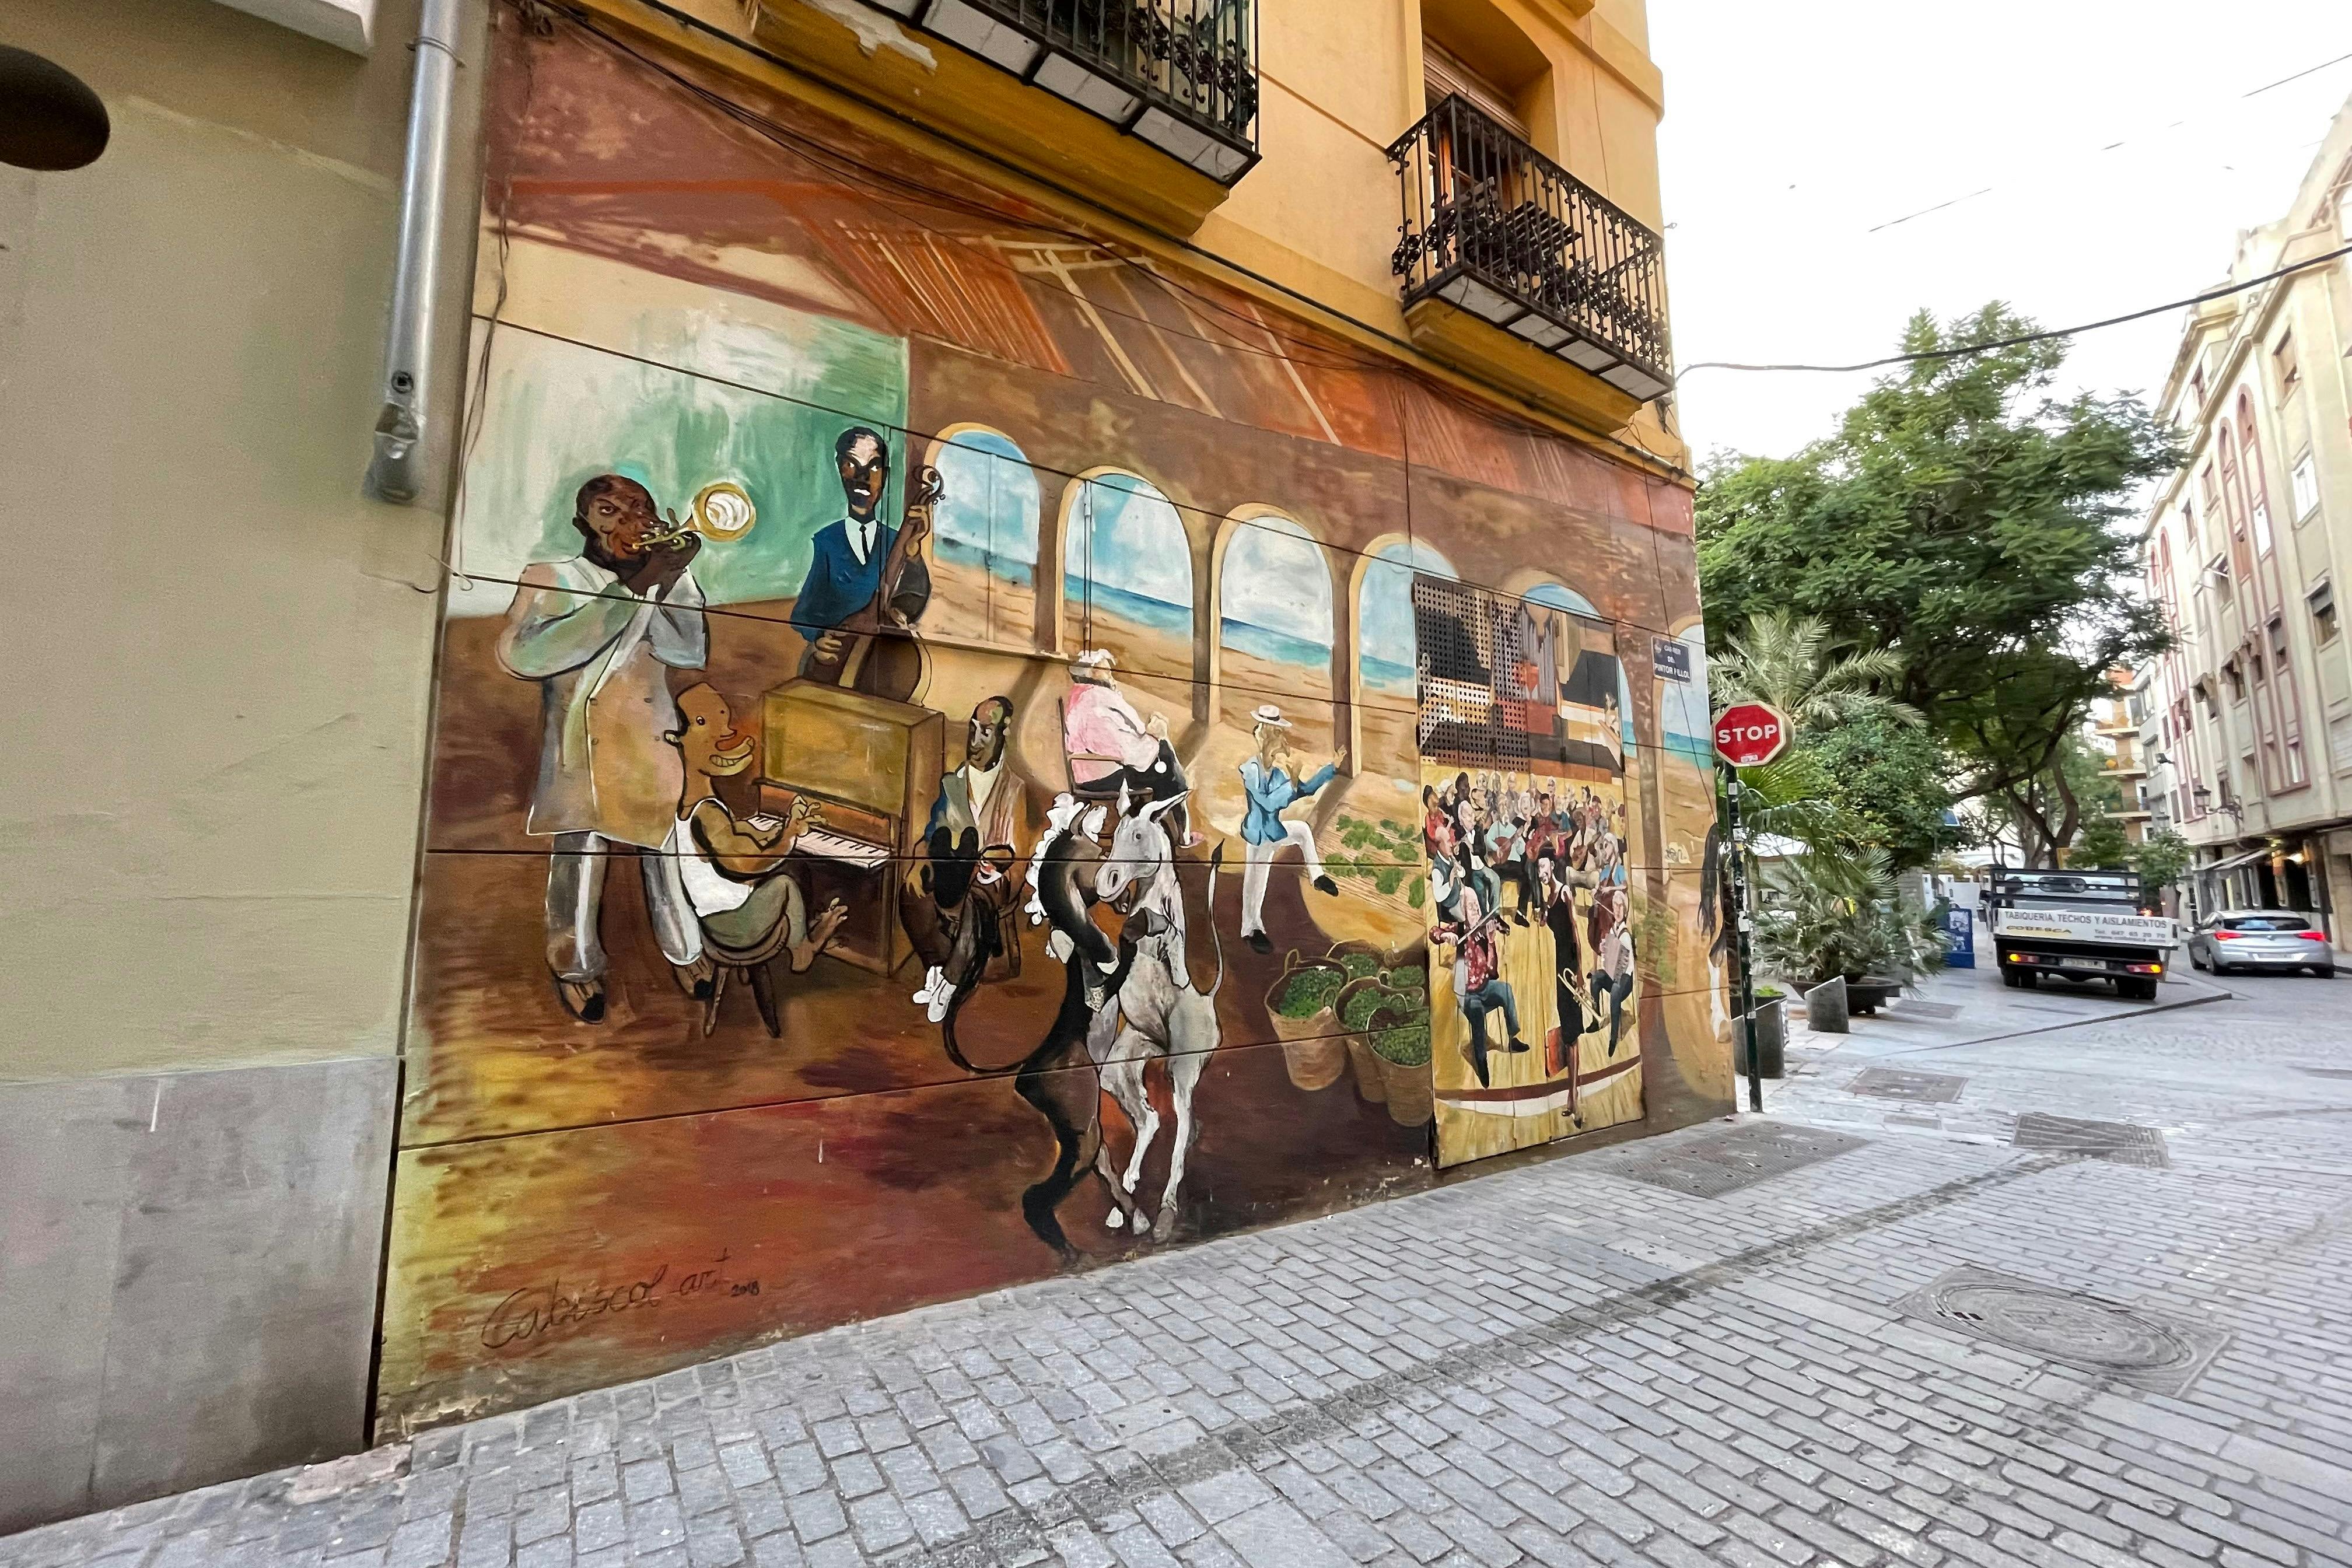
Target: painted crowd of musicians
x=1547, y=841
x=627, y=768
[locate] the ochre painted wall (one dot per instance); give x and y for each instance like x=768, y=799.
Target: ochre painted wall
x=214, y=756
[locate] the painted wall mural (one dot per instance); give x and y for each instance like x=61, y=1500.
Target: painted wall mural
x=952, y=764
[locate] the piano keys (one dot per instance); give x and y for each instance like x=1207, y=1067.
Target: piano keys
x=874, y=766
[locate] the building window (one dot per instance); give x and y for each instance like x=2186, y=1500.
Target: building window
x=2322, y=600
x=1447, y=75
x=2261, y=513
x=2197, y=390
x=2305, y=480
x=2290, y=374
x=2236, y=678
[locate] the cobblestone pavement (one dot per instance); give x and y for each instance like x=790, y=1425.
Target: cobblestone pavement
x=1566, y=1363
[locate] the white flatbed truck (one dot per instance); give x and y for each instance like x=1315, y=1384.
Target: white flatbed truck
x=2078, y=925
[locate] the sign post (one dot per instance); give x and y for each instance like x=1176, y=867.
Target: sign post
x=1747, y=735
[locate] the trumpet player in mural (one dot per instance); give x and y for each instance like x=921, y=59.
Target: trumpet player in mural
x=1273, y=777
x=600, y=632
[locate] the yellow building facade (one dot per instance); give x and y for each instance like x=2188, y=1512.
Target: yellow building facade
x=1035, y=629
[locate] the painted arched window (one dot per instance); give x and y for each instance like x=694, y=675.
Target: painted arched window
x=1127, y=573
x=1274, y=624
x=984, y=543
x=1385, y=647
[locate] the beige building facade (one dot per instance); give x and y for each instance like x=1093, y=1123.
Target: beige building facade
x=307, y=1126
x=2248, y=549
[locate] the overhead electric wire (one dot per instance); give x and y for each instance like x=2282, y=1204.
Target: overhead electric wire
x=1965, y=350
x=2125, y=141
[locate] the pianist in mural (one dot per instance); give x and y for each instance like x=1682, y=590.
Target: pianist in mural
x=849, y=555
x=959, y=900
x=731, y=868
x=600, y=632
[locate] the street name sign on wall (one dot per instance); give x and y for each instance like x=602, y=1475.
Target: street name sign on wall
x=1749, y=734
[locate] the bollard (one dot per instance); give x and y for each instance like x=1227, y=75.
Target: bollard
x=1825, y=1007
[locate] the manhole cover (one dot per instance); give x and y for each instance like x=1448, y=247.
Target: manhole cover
x=1898, y=1083
x=1709, y=1167
x=2118, y=1141
x=2145, y=1349
x=1925, y=1010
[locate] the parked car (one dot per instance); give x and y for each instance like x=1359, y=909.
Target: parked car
x=2262, y=939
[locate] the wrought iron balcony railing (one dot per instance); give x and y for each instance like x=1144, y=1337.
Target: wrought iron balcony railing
x=1180, y=74
x=1497, y=228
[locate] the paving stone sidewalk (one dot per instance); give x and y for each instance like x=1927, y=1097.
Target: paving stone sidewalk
x=1566, y=1363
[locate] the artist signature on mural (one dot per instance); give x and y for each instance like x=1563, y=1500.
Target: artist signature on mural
x=537, y=1311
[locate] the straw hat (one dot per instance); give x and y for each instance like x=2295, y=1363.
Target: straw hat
x=1267, y=714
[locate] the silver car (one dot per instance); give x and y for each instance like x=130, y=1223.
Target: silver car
x=2262, y=939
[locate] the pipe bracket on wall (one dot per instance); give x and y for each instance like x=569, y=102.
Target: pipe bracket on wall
x=397, y=471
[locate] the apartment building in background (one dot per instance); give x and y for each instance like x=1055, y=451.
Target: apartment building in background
x=2116, y=721
x=2248, y=547
x=975, y=586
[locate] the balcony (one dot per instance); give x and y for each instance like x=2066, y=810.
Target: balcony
x=1180, y=74
x=1147, y=108
x=1509, y=260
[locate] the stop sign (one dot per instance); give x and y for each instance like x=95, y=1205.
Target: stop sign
x=1750, y=734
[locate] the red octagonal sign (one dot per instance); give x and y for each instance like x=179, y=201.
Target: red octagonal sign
x=1749, y=734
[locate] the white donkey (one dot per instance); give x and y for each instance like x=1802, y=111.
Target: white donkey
x=1156, y=1011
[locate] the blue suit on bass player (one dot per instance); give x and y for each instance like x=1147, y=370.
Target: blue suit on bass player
x=848, y=554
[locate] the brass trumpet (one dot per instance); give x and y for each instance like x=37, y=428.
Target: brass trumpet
x=720, y=513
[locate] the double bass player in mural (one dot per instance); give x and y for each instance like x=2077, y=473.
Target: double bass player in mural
x=867, y=584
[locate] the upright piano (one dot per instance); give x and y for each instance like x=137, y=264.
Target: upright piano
x=874, y=766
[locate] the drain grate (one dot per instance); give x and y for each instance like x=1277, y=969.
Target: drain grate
x=1900, y=1083
x=1945, y=1010
x=2118, y=1141
x=2147, y=1350
x=1710, y=1167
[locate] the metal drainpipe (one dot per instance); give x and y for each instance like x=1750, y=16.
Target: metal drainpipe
x=396, y=472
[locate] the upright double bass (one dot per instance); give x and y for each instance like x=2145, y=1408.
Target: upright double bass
x=875, y=649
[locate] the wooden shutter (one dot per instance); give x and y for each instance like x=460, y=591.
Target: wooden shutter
x=1444, y=75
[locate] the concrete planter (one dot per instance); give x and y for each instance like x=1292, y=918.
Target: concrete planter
x=1866, y=996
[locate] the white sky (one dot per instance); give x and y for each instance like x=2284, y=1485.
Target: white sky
x=1793, y=129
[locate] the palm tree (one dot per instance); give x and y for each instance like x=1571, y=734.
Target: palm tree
x=1792, y=662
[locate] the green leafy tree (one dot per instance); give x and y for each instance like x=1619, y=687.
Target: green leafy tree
x=1969, y=522
x=2101, y=846
x=2162, y=859
x=1890, y=783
